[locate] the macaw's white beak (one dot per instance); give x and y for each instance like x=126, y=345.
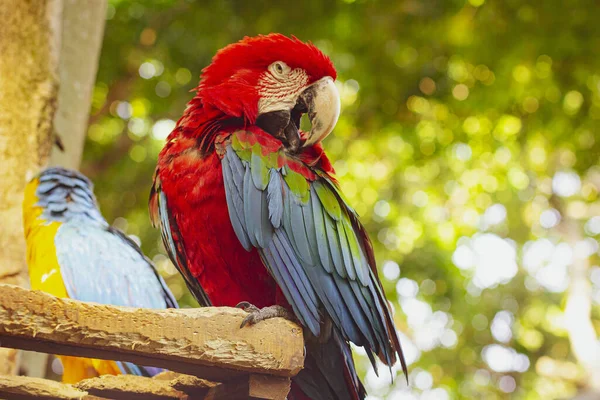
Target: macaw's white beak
x=322, y=100
x=281, y=119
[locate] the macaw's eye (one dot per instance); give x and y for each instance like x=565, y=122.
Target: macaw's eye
x=279, y=69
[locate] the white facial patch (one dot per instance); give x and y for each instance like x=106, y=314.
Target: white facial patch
x=280, y=92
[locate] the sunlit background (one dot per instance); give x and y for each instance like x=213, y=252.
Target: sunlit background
x=468, y=143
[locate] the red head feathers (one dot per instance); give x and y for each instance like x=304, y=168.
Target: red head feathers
x=268, y=81
x=232, y=82
x=257, y=53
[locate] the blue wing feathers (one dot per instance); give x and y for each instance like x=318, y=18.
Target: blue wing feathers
x=235, y=204
x=365, y=299
x=321, y=234
x=101, y=266
x=318, y=257
x=275, y=198
x=128, y=368
x=281, y=244
x=345, y=247
x=264, y=228
x=167, y=295
x=247, y=206
x=292, y=287
x=57, y=208
x=335, y=303
x=357, y=317
x=257, y=169
x=287, y=285
x=45, y=187
x=334, y=245
x=309, y=229
x=361, y=267
x=256, y=212
x=298, y=231
x=237, y=166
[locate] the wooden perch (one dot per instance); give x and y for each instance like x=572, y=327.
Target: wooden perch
x=129, y=387
x=191, y=385
x=25, y=388
x=255, y=387
x=205, y=342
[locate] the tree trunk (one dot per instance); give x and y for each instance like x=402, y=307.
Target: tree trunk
x=42, y=42
x=29, y=45
x=82, y=34
x=83, y=31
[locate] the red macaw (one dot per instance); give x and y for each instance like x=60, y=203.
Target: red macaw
x=251, y=214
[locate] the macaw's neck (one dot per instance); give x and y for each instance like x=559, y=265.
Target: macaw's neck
x=203, y=122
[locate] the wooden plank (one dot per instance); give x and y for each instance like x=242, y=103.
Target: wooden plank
x=195, y=387
x=170, y=386
x=253, y=387
x=268, y=387
x=205, y=342
x=130, y=387
x=28, y=388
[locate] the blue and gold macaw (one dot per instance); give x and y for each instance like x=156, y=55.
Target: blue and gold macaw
x=73, y=252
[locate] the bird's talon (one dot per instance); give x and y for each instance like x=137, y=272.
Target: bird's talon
x=246, y=306
x=255, y=314
x=249, y=320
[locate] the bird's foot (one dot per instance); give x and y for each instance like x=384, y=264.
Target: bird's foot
x=256, y=314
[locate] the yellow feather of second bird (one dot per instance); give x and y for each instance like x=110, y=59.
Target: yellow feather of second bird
x=45, y=275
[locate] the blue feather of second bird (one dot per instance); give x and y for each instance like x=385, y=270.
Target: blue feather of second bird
x=100, y=266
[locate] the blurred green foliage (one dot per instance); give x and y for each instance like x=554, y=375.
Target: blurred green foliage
x=468, y=140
